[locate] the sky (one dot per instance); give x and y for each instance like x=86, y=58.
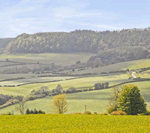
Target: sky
x=32, y=16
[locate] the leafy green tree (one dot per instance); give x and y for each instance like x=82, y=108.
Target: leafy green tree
x=130, y=100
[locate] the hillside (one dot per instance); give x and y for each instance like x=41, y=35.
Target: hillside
x=4, y=42
x=79, y=41
x=109, y=46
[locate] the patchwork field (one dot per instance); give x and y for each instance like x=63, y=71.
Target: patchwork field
x=66, y=84
x=74, y=124
x=96, y=101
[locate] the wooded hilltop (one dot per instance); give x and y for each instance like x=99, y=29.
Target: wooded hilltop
x=110, y=46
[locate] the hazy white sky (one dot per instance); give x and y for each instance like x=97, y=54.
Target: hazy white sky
x=31, y=16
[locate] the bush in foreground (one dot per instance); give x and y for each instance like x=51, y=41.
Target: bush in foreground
x=95, y=113
x=103, y=114
x=78, y=113
x=9, y=113
x=118, y=113
x=87, y=113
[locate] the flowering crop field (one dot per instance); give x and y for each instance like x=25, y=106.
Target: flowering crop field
x=53, y=123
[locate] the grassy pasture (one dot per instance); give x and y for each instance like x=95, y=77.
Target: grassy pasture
x=6, y=63
x=142, y=75
x=81, y=82
x=32, y=80
x=118, y=66
x=48, y=58
x=95, y=100
x=74, y=124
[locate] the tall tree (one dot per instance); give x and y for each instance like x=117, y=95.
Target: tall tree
x=21, y=106
x=60, y=103
x=131, y=101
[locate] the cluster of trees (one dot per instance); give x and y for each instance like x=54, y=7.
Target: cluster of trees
x=6, y=98
x=99, y=86
x=121, y=54
x=43, y=90
x=127, y=99
x=35, y=111
x=79, y=41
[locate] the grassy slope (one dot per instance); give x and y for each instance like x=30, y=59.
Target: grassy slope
x=32, y=80
x=118, y=66
x=77, y=101
x=74, y=124
x=48, y=58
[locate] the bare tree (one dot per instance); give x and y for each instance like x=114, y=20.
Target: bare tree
x=113, y=99
x=21, y=106
x=115, y=94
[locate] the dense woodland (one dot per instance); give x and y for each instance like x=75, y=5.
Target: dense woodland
x=79, y=41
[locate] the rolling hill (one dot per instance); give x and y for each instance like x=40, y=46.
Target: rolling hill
x=79, y=41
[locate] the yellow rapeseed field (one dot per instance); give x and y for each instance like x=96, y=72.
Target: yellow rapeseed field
x=53, y=123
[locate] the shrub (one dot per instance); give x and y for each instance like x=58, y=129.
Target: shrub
x=95, y=113
x=147, y=112
x=111, y=109
x=72, y=89
x=41, y=112
x=9, y=113
x=103, y=114
x=87, y=113
x=77, y=113
x=118, y=113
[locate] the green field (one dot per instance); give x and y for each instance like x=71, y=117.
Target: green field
x=118, y=66
x=95, y=100
x=66, y=84
x=32, y=80
x=48, y=58
x=49, y=123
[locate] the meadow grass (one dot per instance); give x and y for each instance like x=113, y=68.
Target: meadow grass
x=136, y=64
x=96, y=101
x=48, y=58
x=53, y=123
x=32, y=80
x=66, y=84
